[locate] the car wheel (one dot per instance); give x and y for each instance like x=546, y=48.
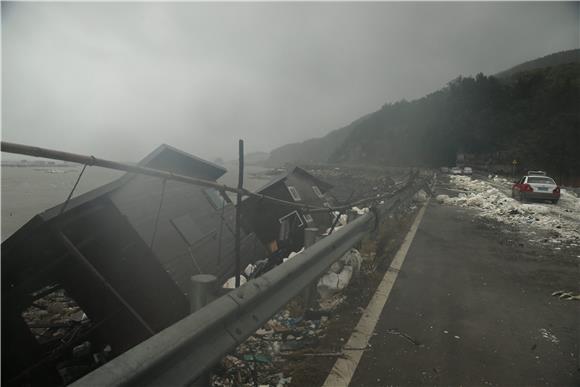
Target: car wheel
x=555, y=201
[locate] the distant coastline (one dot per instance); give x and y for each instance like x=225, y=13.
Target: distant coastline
x=35, y=164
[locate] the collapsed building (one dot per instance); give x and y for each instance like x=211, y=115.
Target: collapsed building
x=279, y=226
x=123, y=255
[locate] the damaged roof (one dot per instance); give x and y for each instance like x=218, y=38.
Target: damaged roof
x=125, y=252
x=295, y=170
x=165, y=158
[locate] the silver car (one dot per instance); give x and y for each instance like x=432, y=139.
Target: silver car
x=536, y=187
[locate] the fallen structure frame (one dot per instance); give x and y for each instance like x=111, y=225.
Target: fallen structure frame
x=180, y=354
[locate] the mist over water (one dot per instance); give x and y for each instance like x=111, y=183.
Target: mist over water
x=29, y=191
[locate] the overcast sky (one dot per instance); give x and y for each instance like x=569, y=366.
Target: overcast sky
x=117, y=79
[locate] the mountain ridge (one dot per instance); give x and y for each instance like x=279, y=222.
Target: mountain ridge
x=481, y=115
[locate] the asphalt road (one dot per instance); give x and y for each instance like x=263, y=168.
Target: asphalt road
x=472, y=305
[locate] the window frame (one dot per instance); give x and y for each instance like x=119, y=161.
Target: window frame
x=282, y=219
x=317, y=191
x=294, y=193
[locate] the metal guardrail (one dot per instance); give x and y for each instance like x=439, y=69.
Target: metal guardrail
x=181, y=353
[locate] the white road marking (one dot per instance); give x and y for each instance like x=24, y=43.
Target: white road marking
x=344, y=368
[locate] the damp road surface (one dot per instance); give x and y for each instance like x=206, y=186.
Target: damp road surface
x=473, y=305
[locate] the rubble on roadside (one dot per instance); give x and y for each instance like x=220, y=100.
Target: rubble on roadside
x=494, y=204
x=53, y=315
x=295, y=332
x=260, y=359
x=339, y=274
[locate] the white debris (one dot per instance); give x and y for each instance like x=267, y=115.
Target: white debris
x=249, y=270
x=332, y=283
x=231, y=283
x=360, y=211
x=342, y=220
x=560, y=220
x=549, y=336
x=293, y=254
x=339, y=274
x=353, y=258
x=420, y=196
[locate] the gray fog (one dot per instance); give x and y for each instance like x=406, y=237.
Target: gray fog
x=117, y=79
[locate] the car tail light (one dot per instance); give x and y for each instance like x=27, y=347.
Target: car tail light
x=527, y=188
x=556, y=191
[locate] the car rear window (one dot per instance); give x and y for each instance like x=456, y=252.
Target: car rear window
x=540, y=180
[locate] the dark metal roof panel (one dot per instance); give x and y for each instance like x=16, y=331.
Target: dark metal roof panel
x=324, y=186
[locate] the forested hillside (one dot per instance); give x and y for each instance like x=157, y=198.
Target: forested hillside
x=532, y=116
x=558, y=58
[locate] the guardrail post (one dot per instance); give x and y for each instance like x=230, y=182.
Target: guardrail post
x=351, y=215
x=310, y=238
x=203, y=291
x=310, y=235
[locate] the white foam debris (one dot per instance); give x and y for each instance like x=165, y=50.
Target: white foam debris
x=360, y=211
x=293, y=254
x=546, y=334
x=560, y=220
x=231, y=283
x=339, y=274
x=420, y=196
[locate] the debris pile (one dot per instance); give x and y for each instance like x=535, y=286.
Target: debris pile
x=339, y=274
x=352, y=184
x=566, y=295
x=560, y=222
x=260, y=359
x=264, y=359
x=56, y=320
x=52, y=316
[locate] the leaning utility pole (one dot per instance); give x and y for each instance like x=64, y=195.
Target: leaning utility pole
x=238, y=208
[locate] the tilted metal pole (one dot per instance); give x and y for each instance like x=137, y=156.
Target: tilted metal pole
x=21, y=149
x=238, y=269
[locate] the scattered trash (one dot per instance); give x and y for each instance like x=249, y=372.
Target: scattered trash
x=420, y=196
x=314, y=354
x=293, y=254
x=360, y=211
x=569, y=296
x=258, y=360
x=339, y=274
x=231, y=283
x=497, y=205
x=549, y=336
x=397, y=332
